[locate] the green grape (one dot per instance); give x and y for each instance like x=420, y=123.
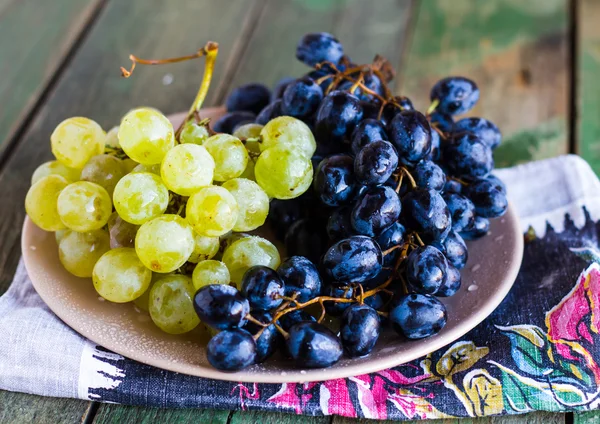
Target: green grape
x=249, y=171
x=79, y=252
x=187, y=168
x=146, y=135
x=248, y=252
x=84, y=206
x=193, y=133
x=171, y=304
x=41, y=202
x=253, y=203
x=60, y=234
x=230, y=155
x=119, y=276
x=104, y=170
x=285, y=130
x=210, y=272
x=129, y=165
x=204, y=248
x=75, y=140
x=212, y=211
x=164, y=243
x=249, y=131
x=153, y=169
x=283, y=172
x=54, y=167
x=143, y=301
x=140, y=197
x=121, y=232
x=112, y=138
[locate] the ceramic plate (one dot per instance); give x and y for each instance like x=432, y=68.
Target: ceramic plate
x=493, y=265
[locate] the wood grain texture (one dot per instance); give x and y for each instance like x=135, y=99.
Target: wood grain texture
x=23, y=408
x=34, y=39
x=108, y=414
x=588, y=90
x=92, y=85
x=246, y=417
x=364, y=27
x=592, y=417
x=518, y=54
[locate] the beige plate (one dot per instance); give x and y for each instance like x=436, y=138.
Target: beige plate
x=493, y=265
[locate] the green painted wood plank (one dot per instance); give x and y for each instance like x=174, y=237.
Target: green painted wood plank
x=592, y=417
x=517, y=51
x=532, y=418
x=364, y=27
x=130, y=414
x=23, y=408
x=244, y=417
x=588, y=90
x=34, y=38
x=92, y=86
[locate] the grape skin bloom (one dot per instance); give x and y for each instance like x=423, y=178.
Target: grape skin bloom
x=187, y=168
x=247, y=252
x=283, y=172
x=139, y=197
x=171, y=306
x=79, y=252
x=230, y=155
x=41, y=202
x=212, y=211
x=252, y=201
x=75, y=140
x=285, y=130
x=55, y=167
x=163, y=244
x=146, y=135
x=84, y=206
x=119, y=276
x=210, y=272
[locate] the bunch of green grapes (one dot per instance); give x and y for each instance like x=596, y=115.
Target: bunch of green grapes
x=152, y=214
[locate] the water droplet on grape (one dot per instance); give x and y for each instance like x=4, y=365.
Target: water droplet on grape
x=472, y=287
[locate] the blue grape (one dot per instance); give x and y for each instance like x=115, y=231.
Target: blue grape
x=456, y=95
x=313, y=345
x=410, y=134
x=334, y=180
x=451, y=283
x=404, y=102
x=306, y=238
x=497, y=182
x=317, y=47
x=452, y=186
x=301, y=98
x=221, y=306
x=392, y=236
x=466, y=155
x=371, y=81
x=359, y=330
x=249, y=97
x=377, y=209
x=487, y=131
x=262, y=287
x=489, y=201
x=426, y=269
x=269, y=112
x=454, y=249
x=417, y=316
x=429, y=175
x=371, y=110
x=231, y=350
x=366, y=132
x=435, y=154
x=335, y=309
x=427, y=212
x=353, y=260
x=480, y=228
x=292, y=318
x=441, y=121
x=280, y=87
x=375, y=163
x=231, y=120
x=462, y=211
x=300, y=276
x=339, y=225
x=336, y=118
x=283, y=214
x=269, y=340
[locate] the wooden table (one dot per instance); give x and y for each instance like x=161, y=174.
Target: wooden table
x=536, y=61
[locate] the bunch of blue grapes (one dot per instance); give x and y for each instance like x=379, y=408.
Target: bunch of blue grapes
x=381, y=235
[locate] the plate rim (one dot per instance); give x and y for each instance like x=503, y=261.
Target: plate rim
x=309, y=375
